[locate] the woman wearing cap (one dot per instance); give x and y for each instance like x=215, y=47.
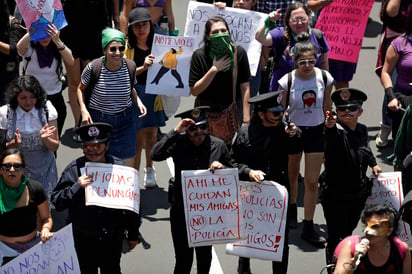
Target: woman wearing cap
x=158, y=9
x=111, y=95
x=140, y=38
x=307, y=92
x=29, y=122
x=22, y=203
x=383, y=252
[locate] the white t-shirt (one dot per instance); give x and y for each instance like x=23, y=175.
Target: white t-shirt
x=306, y=98
x=46, y=76
x=27, y=121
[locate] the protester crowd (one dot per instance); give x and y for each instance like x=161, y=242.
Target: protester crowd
x=298, y=105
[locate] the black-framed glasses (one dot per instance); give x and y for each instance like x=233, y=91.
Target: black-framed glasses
x=194, y=127
x=306, y=62
x=351, y=108
x=114, y=49
x=16, y=166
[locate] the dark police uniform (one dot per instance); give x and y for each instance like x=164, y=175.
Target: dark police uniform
x=346, y=186
x=98, y=232
x=187, y=156
x=263, y=148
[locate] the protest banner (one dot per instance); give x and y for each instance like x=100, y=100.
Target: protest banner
x=242, y=25
x=169, y=74
x=56, y=256
x=114, y=186
x=344, y=23
x=212, y=206
x=37, y=15
x=264, y=216
x=387, y=189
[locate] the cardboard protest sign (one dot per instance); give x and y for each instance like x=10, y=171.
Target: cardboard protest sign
x=57, y=255
x=114, y=186
x=264, y=215
x=242, y=25
x=38, y=14
x=169, y=74
x=344, y=23
x=212, y=206
x=387, y=189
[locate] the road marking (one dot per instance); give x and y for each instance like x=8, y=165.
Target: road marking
x=215, y=267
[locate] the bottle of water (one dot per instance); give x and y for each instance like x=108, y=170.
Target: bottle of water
x=164, y=25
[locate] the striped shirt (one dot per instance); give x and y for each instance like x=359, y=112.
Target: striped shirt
x=111, y=93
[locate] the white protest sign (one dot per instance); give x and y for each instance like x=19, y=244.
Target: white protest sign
x=55, y=256
x=387, y=189
x=169, y=74
x=212, y=206
x=264, y=212
x=242, y=25
x=114, y=186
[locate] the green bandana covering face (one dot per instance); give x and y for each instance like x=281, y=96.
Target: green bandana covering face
x=220, y=45
x=110, y=35
x=10, y=196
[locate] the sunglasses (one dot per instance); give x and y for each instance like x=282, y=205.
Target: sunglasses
x=95, y=146
x=306, y=62
x=16, y=166
x=193, y=128
x=277, y=113
x=114, y=49
x=351, y=108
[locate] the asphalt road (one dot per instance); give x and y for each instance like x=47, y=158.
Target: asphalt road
x=303, y=257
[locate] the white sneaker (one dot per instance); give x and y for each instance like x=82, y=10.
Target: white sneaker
x=149, y=177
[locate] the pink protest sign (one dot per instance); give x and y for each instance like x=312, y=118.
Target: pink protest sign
x=38, y=14
x=344, y=23
x=212, y=206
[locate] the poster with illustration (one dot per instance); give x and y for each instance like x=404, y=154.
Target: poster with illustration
x=38, y=14
x=169, y=74
x=57, y=255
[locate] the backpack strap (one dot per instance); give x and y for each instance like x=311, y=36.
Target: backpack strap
x=401, y=247
x=131, y=66
x=289, y=85
x=324, y=78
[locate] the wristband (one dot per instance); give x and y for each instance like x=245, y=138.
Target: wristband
x=269, y=25
x=389, y=93
x=62, y=48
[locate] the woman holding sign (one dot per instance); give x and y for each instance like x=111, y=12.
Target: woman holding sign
x=140, y=33
x=22, y=201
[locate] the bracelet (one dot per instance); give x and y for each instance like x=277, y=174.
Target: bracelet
x=269, y=25
x=389, y=93
x=62, y=48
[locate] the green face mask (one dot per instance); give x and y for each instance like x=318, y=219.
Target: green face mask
x=220, y=45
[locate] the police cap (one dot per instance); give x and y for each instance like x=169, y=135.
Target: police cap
x=93, y=133
x=268, y=101
x=348, y=96
x=198, y=114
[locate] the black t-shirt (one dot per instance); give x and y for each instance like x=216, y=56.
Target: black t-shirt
x=219, y=94
x=139, y=56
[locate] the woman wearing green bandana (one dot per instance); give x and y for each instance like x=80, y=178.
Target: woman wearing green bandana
x=211, y=70
x=21, y=201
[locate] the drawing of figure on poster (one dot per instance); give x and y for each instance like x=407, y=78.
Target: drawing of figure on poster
x=38, y=14
x=169, y=62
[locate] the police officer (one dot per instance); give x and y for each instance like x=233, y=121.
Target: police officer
x=347, y=157
x=191, y=147
x=260, y=151
x=98, y=232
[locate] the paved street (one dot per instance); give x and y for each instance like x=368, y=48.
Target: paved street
x=303, y=258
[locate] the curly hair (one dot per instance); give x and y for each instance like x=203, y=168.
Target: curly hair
x=27, y=83
x=292, y=7
x=382, y=210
